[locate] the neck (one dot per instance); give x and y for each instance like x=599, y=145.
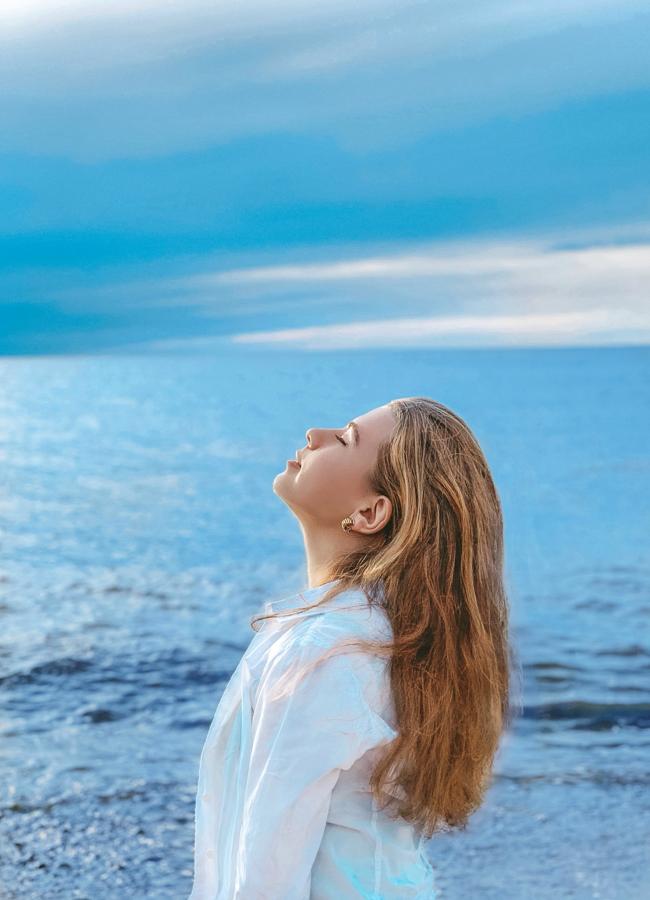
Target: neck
x=322, y=548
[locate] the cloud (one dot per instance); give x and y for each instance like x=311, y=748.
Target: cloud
x=537, y=273
x=489, y=292
x=556, y=329
x=459, y=259
x=92, y=81
x=196, y=169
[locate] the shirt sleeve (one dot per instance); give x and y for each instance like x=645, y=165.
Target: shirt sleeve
x=311, y=720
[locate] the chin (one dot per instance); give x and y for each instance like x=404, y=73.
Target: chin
x=285, y=492
x=277, y=484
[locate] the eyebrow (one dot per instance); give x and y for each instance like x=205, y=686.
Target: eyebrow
x=353, y=425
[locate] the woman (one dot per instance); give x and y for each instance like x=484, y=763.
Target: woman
x=361, y=722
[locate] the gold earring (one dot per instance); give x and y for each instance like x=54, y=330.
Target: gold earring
x=347, y=523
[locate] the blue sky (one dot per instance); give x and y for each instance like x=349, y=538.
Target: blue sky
x=194, y=175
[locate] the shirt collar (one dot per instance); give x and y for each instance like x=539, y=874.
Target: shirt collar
x=351, y=597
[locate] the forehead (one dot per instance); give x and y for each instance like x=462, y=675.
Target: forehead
x=376, y=424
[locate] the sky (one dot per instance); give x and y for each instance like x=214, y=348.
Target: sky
x=195, y=176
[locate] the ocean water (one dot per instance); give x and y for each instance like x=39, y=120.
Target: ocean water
x=139, y=534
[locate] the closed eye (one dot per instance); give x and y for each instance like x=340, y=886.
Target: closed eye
x=339, y=438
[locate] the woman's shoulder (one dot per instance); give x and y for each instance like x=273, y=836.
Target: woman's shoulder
x=300, y=644
x=349, y=611
x=349, y=615
x=350, y=619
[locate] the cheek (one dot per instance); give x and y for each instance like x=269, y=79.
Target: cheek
x=329, y=485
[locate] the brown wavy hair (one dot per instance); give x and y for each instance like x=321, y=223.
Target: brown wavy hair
x=436, y=569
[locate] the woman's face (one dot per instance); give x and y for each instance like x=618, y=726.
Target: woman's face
x=332, y=479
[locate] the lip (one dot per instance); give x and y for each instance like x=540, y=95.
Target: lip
x=293, y=462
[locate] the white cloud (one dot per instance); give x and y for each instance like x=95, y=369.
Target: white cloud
x=139, y=78
x=553, y=329
x=467, y=258
x=570, y=289
x=507, y=275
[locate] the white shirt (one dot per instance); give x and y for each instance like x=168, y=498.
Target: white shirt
x=283, y=807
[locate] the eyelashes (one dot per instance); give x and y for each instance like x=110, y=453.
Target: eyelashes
x=339, y=438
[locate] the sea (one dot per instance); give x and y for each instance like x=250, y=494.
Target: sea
x=139, y=533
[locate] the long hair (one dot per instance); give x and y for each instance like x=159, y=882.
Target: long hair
x=439, y=563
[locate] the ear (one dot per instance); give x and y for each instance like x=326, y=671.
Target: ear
x=371, y=519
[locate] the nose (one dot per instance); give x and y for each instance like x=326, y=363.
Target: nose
x=314, y=437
